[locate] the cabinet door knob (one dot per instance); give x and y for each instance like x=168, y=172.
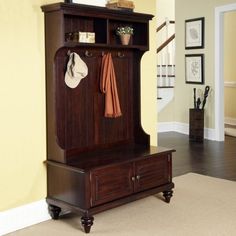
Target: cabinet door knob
x=138, y=177
x=133, y=178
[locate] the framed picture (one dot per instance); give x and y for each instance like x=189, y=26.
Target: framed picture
x=194, y=69
x=194, y=33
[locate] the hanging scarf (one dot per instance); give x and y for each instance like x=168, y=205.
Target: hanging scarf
x=108, y=87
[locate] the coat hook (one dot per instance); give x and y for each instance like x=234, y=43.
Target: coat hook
x=68, y=53
x=88, y=54
x=120, y=54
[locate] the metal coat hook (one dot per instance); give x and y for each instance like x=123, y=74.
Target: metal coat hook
x=120, y=54
x=88, y=54
x=68, y=53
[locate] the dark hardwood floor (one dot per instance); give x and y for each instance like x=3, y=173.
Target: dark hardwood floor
x=216, y=159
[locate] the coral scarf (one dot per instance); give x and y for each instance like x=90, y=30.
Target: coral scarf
x=108, y=87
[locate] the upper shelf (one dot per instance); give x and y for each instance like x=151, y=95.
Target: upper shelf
x=103, y=45
x=74, y=18
x=101, y=12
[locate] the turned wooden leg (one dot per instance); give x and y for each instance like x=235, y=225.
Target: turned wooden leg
x=167, y=195
x=87, y=222
x=54, y=211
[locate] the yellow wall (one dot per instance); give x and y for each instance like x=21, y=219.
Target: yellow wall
x=229, y=63
x=148, y=74
x=22, y=103
x=183, y=92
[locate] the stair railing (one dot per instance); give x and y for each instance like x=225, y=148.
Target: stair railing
x=169, y=39
x=166, y=59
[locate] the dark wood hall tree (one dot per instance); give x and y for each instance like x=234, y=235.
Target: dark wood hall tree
x=96, y=163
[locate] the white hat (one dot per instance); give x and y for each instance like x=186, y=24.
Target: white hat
x=76, y=70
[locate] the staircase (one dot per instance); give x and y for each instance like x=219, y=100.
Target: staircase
x=166, y=64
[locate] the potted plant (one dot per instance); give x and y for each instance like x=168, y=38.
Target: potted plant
x=125, y=32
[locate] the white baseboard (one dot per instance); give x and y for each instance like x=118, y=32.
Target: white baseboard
x=173, y=127
x=165, y=127
x=230, y=121
x=183, y=128
x=210, y=134
x=23, y=216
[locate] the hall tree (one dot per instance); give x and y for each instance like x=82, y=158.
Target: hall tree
x=95, y=163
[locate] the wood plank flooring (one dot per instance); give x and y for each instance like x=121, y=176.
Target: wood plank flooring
x=212, y=158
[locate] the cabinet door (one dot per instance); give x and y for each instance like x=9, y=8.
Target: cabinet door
x=111, y=183
x=152, y=172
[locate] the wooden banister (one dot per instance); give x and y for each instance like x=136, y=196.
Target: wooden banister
x=164, y=24
x=166, y=43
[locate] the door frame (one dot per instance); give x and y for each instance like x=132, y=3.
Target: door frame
x=219, y=69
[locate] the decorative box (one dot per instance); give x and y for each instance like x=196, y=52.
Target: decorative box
x=86, y=37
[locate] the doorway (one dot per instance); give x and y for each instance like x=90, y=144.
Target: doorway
x=230, y=73
x=219, y=69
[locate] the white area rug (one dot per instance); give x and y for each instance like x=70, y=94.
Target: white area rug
x=200, y=206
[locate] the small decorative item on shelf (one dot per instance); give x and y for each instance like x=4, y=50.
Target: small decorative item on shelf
x=125, y=33
x=86, y=37
x=80, y=37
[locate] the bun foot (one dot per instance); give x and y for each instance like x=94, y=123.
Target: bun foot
x=87, y=222
x=54, y=211
x=167, y=195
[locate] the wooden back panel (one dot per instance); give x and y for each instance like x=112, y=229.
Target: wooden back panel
x=80, y=117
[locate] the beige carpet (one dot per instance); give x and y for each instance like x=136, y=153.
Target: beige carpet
x=201, y=206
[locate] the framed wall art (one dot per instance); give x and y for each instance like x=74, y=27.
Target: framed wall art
x=194, y=33
x=194, y=69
